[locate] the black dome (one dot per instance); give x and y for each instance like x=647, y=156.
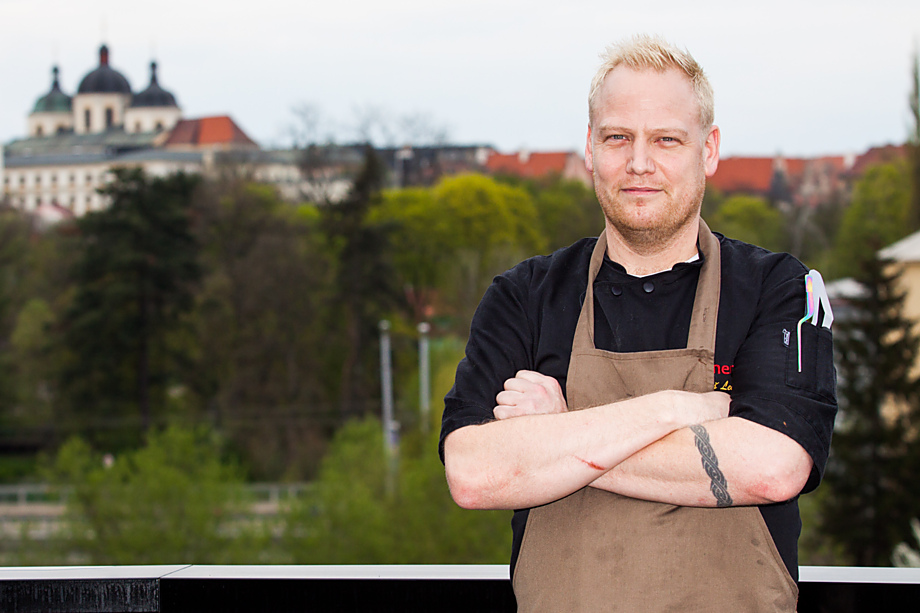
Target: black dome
x=154, y=95
x=55, y=101
x=104, y=80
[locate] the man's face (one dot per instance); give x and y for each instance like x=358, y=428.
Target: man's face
x=648, y=154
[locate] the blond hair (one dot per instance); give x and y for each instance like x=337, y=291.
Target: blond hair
x=644, y=52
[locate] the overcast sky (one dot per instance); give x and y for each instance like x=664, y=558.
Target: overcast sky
x=793, y=77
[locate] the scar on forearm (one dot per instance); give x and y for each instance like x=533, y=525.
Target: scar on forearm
x=718, y=484
x=591, y=464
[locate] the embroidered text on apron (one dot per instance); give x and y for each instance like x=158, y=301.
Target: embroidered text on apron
x=598, y=551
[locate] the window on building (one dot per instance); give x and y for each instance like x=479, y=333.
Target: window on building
x=109, y=118
x=38, y=179
x=137, y=127
x=54, y=179
x=89, y=178
x=159, y=127
x=73, y=179
x=86, y=119
x=38, y=130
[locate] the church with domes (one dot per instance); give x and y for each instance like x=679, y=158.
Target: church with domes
x=104, y=101
x=74, y=140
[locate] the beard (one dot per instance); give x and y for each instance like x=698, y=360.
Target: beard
x=649, y=226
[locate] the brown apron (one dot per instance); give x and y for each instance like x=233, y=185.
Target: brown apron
x=598, y=551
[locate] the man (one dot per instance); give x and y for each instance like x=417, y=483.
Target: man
x=644, y=400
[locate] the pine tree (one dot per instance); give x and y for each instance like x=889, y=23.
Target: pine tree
x=875, y=455
x=365, y=287
x=134, y=276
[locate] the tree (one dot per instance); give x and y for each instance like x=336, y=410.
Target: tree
x=871, y=474
x=34, y=290
x=260, y=316
x=350, y=519
x=135, y=270
x=363, y=282
x=750, y=219
x=450, y=240
x=878, y=216
x=173, y=501
x=14, y=241
x=567, y=211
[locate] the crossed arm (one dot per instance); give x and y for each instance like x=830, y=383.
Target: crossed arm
x=650, y=447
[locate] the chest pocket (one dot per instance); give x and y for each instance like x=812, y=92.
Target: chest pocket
x=817, y=374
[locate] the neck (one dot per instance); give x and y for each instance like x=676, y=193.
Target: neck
x=646, y=257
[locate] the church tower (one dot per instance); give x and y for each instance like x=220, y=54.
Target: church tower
x=102, y=99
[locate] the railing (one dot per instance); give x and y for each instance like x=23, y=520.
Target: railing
x=46, y=502
x=443, y=589
x=40, y=493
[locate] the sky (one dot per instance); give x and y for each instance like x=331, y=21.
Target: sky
x=797, y=78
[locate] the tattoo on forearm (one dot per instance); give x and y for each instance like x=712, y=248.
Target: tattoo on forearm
x=718, y=485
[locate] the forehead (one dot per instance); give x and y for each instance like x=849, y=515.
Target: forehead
x=647, y=96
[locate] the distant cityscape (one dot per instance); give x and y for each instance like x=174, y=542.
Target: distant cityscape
x=73, y=141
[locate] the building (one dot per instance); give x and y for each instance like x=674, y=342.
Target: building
x=531, y=165
x=793, y=181
x=73, y=142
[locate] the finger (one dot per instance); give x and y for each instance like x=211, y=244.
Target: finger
x=519, y=385
x=504, y=412
x=532, y=376
x=509, y=398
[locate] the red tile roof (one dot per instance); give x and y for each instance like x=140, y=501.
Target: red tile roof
x=751, y=175
x=220, y=131
x=528, y=165
x=878, y=155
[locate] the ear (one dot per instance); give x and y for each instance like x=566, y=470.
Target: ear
x=711, y=151
x=589, y=153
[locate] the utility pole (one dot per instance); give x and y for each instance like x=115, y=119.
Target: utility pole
x=386, y=385
x=424, y=376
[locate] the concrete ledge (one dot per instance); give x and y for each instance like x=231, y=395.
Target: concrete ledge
x=443, y=588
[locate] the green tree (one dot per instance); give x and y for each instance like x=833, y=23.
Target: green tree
x=350, y=519
x=14, y=242
x=422, y=244
x=451, y=240
x=259, y=318
x=173, y=501
x=871, y=474
x=750, y=219
x=567, y=211
x=364, y=285
x=878, y=216
x=135, y=270
x=34, y=290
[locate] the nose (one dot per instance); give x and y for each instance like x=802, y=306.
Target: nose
x=640, y=162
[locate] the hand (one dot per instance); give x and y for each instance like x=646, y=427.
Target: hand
x=529, y=393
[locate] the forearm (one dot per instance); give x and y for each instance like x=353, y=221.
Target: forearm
x=748, y=464
x=534, y=459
